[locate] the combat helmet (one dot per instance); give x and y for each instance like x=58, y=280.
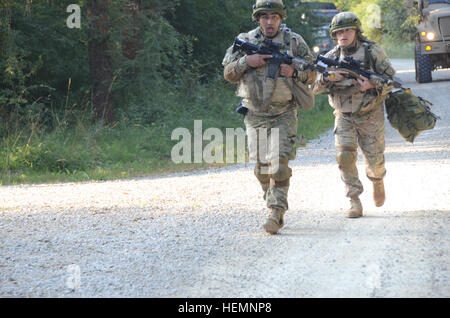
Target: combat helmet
x=269, y=6
x=345, y=20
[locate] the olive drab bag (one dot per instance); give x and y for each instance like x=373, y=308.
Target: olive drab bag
x=409, y=114
x=302, y=94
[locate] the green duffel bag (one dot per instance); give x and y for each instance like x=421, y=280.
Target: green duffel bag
x=409, y=114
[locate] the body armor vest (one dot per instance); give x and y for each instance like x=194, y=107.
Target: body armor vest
x=255, y=88
x=345, y=96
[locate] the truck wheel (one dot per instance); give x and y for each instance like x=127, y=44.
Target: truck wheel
x=423, y=66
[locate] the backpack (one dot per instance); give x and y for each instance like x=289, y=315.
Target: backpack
x=409, y=114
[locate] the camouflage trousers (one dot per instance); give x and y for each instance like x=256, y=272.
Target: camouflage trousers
x=272, y=143
x=367, y=131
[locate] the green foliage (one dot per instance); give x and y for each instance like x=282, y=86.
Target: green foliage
x=397, y=20
x=316, y=121
x=175, y=77
x=38, y=60
x=294, y=20
x=343, y=5
x=213, y=24
x=159, y=69
x=104, y=152
x=85, y=151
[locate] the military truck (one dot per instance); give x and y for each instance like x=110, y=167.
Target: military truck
x=433, y=38
x=322, y=40
x=322, y=14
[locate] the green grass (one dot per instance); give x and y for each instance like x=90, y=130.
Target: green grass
x=316, y=121
x=85, y=152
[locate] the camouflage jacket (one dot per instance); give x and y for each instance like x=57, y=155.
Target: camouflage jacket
x=345, y=96
x=252, y=81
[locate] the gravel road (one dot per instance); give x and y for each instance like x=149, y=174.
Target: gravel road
x=200, y=234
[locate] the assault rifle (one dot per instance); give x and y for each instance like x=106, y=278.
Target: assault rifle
x=273, y=48
x=354, y=68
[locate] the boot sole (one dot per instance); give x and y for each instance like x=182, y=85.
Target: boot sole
x=353, y=216
x=379, y=203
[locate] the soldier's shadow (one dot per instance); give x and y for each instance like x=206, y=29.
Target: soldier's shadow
x=373, y=224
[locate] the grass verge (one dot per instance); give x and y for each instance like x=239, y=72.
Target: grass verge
x=86, y=152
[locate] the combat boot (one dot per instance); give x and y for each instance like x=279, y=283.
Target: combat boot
x=275, y=221
x=379, y=195
x=356, y=208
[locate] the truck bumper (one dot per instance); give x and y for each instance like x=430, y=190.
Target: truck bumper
x=435, y=48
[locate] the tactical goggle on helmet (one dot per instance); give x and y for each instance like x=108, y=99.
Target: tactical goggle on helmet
x=269, y=6
x=345, y=20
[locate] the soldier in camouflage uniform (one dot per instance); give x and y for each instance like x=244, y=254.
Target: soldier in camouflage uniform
x=272, y=111
x=359, y=111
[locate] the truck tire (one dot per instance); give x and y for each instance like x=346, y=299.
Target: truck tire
x=423, y=66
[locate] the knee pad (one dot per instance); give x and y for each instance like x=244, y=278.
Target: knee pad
x=262, y=176
x=281, y=171
x=346, y=159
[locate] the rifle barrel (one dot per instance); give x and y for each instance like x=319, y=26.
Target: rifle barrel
x=353, y=67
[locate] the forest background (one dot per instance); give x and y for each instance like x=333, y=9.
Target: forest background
x=98, y=97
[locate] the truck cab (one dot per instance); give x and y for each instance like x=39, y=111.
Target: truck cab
x=323, y=41
x=432, y=49
x=322, y=14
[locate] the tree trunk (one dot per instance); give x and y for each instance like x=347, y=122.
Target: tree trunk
x=100, y=61
x=132, y=38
